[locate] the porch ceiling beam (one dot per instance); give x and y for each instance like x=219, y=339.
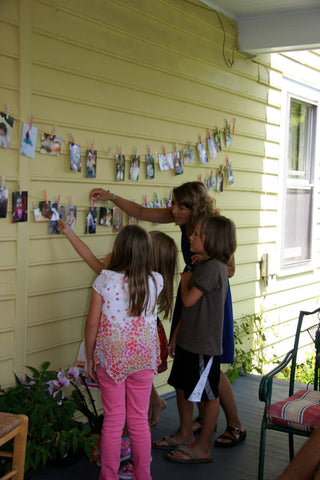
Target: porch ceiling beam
x=285, y=31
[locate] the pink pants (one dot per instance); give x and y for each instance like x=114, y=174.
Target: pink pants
x=125, y=403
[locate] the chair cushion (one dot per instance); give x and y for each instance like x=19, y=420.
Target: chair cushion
x=8, y=422
x=300, y=411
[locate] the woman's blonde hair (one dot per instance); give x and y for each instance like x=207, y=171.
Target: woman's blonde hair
x=132, y=253
x=164, y=253
x=195, y=197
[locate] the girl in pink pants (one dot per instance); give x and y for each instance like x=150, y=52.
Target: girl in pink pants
x=122, y=342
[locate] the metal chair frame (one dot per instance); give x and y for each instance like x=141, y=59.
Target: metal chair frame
x=265, y=388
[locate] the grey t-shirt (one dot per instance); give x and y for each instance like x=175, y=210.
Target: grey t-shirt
x=202, y=324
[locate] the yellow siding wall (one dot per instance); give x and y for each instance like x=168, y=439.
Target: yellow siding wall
x=127, y=73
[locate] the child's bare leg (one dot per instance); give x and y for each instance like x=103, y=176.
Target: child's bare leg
x=157, y=404
x=202, y=446
x=184, y=435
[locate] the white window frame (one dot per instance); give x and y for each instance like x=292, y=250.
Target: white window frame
x=311, y=96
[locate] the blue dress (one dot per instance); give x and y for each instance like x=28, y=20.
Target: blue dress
x=227, y=337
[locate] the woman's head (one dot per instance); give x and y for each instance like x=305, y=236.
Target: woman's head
x=164, y=261
x=218, y=234
x=194, y=197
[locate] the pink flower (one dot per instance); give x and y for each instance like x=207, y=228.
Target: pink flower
x=73, y=372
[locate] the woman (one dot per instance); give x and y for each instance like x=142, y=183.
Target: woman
x=190, y=201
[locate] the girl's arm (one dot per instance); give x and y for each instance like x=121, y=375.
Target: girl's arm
x=189, y=296
x=156, y=215
x=173, y=341
x=91, y=329
x=80, y=247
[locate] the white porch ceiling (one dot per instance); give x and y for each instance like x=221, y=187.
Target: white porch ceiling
x=266, y=26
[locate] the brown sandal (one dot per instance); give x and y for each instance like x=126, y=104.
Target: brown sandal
x=231, y=437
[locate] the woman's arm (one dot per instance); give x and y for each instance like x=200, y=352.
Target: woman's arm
x=189, y=296
x=231, y=267
x=80, y=247
x=91, y=329
x=156, y=215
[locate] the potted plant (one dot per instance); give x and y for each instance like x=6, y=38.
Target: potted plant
x=53, y=432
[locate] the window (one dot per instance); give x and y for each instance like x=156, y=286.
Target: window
x=299, y=160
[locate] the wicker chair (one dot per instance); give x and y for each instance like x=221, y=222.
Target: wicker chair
x=14, y=427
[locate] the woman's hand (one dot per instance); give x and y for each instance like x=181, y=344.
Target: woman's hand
x=196, y=258
x=100, y=194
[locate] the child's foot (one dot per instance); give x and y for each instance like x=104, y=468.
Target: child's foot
x=191, y=454
x=156, y=409
x=125, y=472
x=231, y=437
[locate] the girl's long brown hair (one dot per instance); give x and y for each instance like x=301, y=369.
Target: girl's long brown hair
x=164, y=253
x=132, y=254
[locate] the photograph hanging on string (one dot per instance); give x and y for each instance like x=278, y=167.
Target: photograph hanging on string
x=105, y=216
x=6, y=125
x=91, y=220
x=217, y=140
x=4, y=195
x=53, y=225
x=134, y=168
x=212, y=147
x=19, y=207
x=177, y=164
x=46, y=212
x=117, y=219
x=91, y=164
x=71, y=216
x=75, y=157
x=28, y=140
x=50, y=144
x=165, y=161
x=120, y=167
x=149, y=166
x=188, y=155
x=202, y=152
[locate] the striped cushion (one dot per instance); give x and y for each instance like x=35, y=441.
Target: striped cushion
x=300, y=411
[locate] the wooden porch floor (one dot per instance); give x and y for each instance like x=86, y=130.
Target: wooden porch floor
x=239, y=463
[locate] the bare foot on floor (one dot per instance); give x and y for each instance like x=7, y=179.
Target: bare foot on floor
x=155, y=410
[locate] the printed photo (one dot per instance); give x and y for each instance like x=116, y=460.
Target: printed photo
x=217, y=140
x=227, y=132
x=117, y=219
x=220, y=180
x=4, y=193
x=202, y=152
x=150, y=166
x=230, y=174
x=46, y=212
x=211, y=182
x=50, y=144
x=211, y=147
x=177, y=163
x=120, y=167
x=91, y=220
x=6, y=124
x=71, y=216
x=105, y=217
x=91, y=164
x=28, y=141
x=134, y=168
x=165, y=161
x=188, y=155
x=53, y=223
x=19, y=207
x=75, y=157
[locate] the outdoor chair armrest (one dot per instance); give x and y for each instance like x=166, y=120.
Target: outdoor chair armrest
x=265, y=388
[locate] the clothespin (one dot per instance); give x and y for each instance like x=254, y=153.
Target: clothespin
x=92, y=146
x=227, y=160
x=72, y=139
x=110, y=148
x=234, y=125
x=146, y=200
x=200, y=137
x=7, y=110
x=58, y=202
x=149, y=149
x=92, y=203
x=70, y=201
x=45, y=196
x=211, y=175
x=164, y=150
x=53, y=132
x=200, y=177
x=2, y=183
x=137, y=149
x=157, y=197
x=120, y=153
x=209, y=132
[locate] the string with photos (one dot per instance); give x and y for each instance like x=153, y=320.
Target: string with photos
x=107, y=152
